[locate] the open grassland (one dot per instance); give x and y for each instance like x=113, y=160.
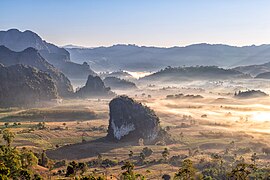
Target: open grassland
x=216, y=124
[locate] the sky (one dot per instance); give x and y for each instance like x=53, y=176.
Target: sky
x=162, y=23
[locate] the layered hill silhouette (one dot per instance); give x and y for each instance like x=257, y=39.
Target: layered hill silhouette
x=171, y=74
x=117, y=83
x=22, y=85
x=254, y=70
x=32, y=57
x=141, y=58
x=265, y=75
x=59, y=57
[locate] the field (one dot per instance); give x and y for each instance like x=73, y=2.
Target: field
x=218, y=124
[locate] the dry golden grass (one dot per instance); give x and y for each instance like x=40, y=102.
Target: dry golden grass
x=219, y=120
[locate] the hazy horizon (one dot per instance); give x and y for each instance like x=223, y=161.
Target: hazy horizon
x=145, y=23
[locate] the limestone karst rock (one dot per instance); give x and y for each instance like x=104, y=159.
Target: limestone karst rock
x=131, y=120
x=22, y=85
x=117, y=83
x=31, y=57
x=94, y=87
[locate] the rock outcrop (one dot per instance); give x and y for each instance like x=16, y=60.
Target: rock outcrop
x=59, y=57
x=117, y=83
x=94, y=87
x=22, y=85
x=131, y=120
x=31, y=57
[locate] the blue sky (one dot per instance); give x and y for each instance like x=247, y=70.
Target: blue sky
x=161, y=23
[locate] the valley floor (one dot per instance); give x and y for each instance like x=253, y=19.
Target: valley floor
x=218, y=123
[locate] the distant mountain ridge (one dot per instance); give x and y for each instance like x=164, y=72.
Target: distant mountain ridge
x=254, y=70
x=141, y=58
x=174, y=74
x=59, y=57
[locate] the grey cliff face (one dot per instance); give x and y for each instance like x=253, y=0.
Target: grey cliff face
x=131, y=120
x=94, y=87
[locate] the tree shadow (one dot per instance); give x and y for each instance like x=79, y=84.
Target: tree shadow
x=87, y=149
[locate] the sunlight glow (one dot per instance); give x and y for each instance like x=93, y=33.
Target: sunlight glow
x=261, y=116
x=138, y=75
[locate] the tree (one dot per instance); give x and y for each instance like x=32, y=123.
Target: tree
x=142, y=156
x=4, y=172
x=186, y=172
x=82, y=167
x=37, y=177
x=8, y=136
x=15, y=164
x=254, y=158
x=25, y=174
x=130, y=154
x=6, y=124
x=41, y=126
x=242, y=171
x=72, y=169
x=99, y=159
x=129, y=174
x=147, y=151
x=28, y=158
x=43, y=161
x=166, y=177
x=165, y=154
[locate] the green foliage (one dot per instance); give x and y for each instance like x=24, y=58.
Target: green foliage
x=4, y=171
x=41, y=126
x=242, y=171
x=147, y=151
x=254, y=158
x=43, y=159
x=92, y=177
x=130, y=154
x=37, y=177
x=8, y=136
x=6, y=124
x=16, y=163
x=165, y=154
x=129, y=173
x=28, y=158
x=186, y=172
x=142, y=156
x=73, y=168
x=25, y=174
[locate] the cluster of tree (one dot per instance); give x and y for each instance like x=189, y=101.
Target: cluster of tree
x=187, y=171
x=250, y=94
x=14, y=163
x=19, y=164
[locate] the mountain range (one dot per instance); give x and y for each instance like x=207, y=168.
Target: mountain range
x=176, y=74
x=29, y=48
x=17, y=41
x=141, y=58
